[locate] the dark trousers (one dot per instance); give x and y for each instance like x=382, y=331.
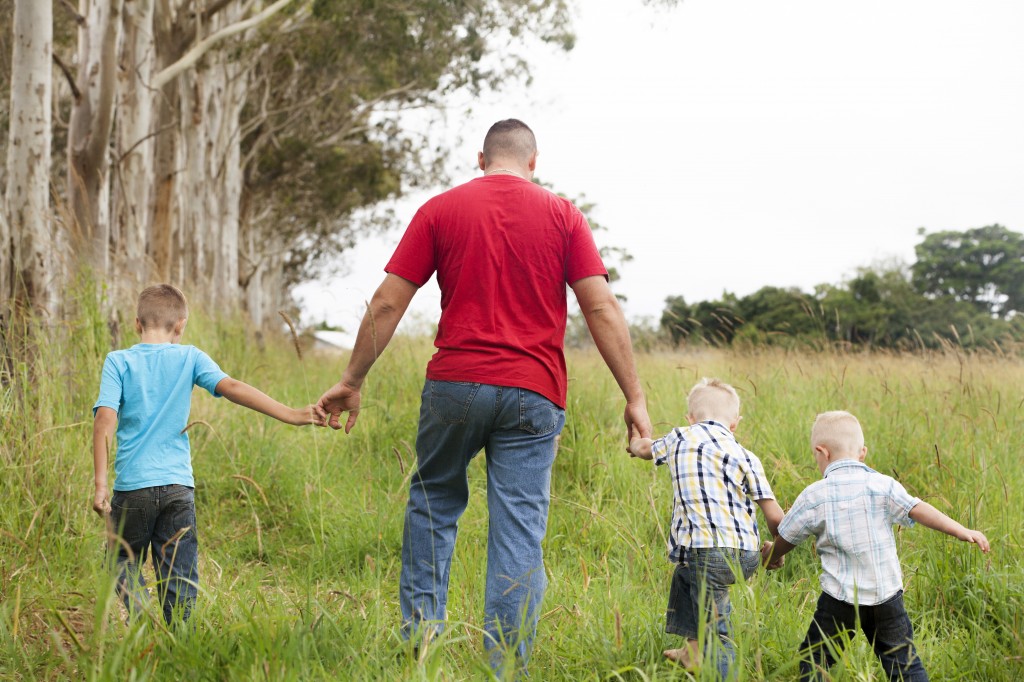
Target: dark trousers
x=160, y=521
x=886, y=626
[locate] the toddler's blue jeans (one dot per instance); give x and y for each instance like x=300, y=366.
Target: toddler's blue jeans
x=700, y=595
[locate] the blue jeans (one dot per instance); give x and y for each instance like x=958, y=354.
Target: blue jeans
x=886, y=626
x=700, y=596
x=518, y=430
x=160, y=520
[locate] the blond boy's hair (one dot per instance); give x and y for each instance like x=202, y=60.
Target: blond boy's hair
x=161, y=306
x=713, y=400
x=839, y=431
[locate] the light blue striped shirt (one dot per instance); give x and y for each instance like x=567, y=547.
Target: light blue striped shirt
x=851, y=513
x=716, y=482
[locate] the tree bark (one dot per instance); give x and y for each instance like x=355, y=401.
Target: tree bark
x=90, y=129
x=33, y=276
x=133, y=175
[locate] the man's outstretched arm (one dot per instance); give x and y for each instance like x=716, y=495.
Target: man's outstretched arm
x=386, y=309
x=608, y=326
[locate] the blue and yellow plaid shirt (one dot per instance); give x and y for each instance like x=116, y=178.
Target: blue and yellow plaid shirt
x=716, y=482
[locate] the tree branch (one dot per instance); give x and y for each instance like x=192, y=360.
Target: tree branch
x=213, y=9
x=142, y=139
x=204, y=46
x=75, y=92
x=79, y=19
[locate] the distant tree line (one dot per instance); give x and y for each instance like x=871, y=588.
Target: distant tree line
x=964, y=289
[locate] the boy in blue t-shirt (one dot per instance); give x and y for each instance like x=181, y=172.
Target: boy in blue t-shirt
x=146, y=393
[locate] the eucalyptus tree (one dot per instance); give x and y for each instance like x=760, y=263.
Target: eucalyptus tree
x=232, y=146
x=323, y=138
x=28, y=266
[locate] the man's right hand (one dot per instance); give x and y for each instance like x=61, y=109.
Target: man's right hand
x=337, y=399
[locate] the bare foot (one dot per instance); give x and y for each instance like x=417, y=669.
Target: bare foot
x=683, y=656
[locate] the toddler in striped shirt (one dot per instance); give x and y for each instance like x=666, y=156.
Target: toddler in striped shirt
x=714, y=538
x=850, y=513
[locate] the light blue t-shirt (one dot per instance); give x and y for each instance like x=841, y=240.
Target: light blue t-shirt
x=150, y=387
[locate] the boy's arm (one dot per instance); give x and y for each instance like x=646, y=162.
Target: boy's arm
x=103, y=427
x=245, y=395
x=772, y=553
x=640, y=447
x=930, y=517
x=772, y=514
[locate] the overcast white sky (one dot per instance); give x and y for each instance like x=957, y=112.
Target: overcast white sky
x=733, y=144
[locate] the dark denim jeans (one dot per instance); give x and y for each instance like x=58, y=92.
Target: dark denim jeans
x=886, y=626
x=700, y=596
x=160, y=520
x=518, y=429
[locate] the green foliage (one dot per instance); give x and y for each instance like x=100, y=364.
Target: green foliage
x=984, y=266
x=324, y=142
x=711, y=322
x=881, y=307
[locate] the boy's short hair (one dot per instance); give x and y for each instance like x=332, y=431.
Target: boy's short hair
x=839, y=431
x=161, y=306
x=713, y=400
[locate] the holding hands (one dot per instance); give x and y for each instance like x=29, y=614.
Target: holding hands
x=341, y=397
x=306, y=416
x=766, y=557
x=640, y=447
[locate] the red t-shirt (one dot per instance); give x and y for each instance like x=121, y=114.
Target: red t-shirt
x=504, y=249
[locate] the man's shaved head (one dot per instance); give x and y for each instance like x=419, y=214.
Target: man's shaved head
x=510, y=140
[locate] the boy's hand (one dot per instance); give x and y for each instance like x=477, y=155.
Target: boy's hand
x=976, y=537
x=308, y=415
x=640, y=447
x=101, y=501
x=766, y=555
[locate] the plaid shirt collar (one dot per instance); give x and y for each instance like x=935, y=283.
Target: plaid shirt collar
x=845, y=464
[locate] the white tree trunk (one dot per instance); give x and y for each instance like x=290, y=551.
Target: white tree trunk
x=89, y=132
x=212, y=96
x=134, y=173
x=34, y=276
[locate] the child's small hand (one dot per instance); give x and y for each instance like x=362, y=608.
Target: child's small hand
x=310, y=414
x=976, y=537
x=640, y=447
x=766, y=554
x=101, y=502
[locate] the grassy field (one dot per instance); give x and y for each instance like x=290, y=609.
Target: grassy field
x=300, y=528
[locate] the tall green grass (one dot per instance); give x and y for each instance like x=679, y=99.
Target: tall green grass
x=300, y=529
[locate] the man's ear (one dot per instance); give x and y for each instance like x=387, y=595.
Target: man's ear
x=480, y=160
x=532, y=163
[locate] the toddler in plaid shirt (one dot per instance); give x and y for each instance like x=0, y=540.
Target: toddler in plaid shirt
x=714, y=537
x=850, y=513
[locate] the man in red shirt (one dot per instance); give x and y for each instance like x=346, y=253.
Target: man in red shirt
x=503, y=249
